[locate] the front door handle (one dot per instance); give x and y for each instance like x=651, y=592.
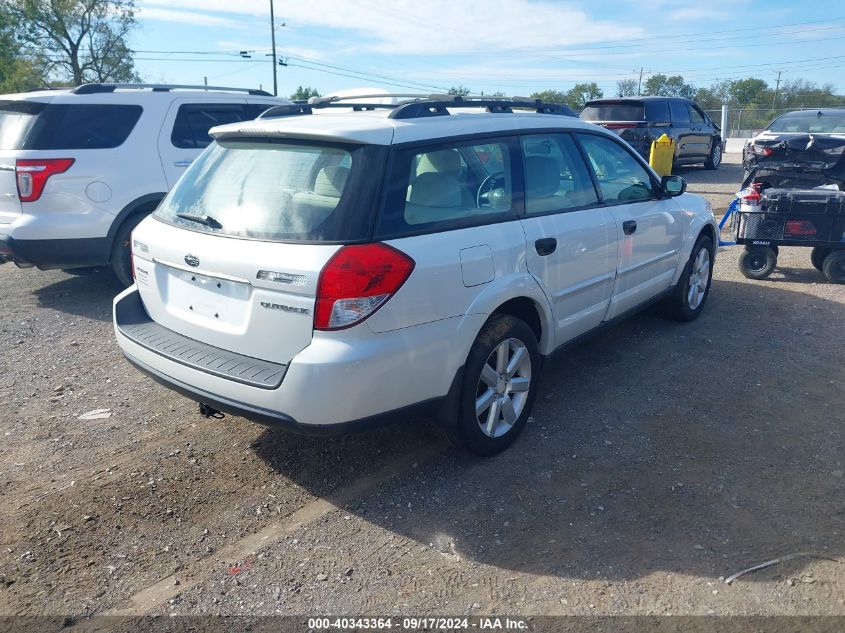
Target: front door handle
x=629, y=227
x=545, y=246
x=183, y=163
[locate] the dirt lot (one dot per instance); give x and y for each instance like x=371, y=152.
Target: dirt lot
x=661, y=459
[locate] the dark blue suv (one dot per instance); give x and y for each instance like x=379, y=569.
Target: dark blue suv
x=641, y=120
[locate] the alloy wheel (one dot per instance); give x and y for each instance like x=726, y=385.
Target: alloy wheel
x=699, y=277
x=503, y=387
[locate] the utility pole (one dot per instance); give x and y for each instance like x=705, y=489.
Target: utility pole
x=777, y=87
x=273, y=39
x=640, y=82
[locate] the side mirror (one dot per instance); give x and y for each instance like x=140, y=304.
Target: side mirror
x=673, y=186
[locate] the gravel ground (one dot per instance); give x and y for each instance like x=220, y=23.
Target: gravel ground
x=661, y=459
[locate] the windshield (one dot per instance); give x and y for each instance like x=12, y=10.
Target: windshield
x=16, y=119
x=613, y=112
x=281, y=191
x=810, y=122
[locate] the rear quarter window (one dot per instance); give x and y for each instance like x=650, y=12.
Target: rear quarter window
x=447, y=186
x=657, y=111
x=83, y=126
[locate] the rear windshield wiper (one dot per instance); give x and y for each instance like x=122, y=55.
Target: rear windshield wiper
x=201, y=219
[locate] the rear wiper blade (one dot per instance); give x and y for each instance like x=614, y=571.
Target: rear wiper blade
x=207, y=220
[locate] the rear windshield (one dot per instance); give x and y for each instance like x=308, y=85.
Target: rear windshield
x=810, y=121
x=613, y=112
x=16, y=119
x=274, y=190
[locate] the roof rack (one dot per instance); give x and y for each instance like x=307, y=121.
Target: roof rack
x=415, y=106
x=90, y=89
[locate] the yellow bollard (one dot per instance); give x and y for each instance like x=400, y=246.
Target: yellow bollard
x=662, y=154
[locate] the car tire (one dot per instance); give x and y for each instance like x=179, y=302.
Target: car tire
x=687, y=300
x=834, y=267
x=714, y=159
x=500, y=376
x=121, y=252
x=817, y=257
x=757, y=262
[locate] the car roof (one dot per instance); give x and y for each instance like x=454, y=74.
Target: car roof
x=634, y=99
x=813, y=112
x=377, y=128
x=88, y=93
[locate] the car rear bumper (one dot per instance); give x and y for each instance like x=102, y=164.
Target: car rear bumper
x=333, y=385
x=48, y=254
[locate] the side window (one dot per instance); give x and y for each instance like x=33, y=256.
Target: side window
x=86, y=126
x=193, y=121
x=680, y=112
x=447, y=186
x=695, y=116
x=657, y=111
x=556, y=178
x=621, y=177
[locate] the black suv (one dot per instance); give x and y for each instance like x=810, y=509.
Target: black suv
x=641, y=120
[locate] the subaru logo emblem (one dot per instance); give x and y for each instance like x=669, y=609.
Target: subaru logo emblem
x=192, y=260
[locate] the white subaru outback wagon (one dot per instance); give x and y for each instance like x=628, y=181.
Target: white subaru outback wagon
x=341, y=263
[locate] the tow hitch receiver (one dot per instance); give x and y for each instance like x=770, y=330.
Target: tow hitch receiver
x=207, y=411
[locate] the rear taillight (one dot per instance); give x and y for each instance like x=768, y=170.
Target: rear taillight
x=32, y=175
x=356, y=282
x=760, y=150
x=800, y=227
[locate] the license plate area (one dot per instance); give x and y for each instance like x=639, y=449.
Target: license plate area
x=204, y=297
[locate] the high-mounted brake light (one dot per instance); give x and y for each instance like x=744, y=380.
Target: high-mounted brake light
x=32, y=175
x=356, y=282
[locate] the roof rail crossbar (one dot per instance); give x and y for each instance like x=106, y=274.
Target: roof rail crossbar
x=296, y=109
x=88, y=89
x=439, y=106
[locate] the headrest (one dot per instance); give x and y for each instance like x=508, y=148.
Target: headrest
x=446, y=161
x=542, y=176
x=330, y=181
x=436, y=190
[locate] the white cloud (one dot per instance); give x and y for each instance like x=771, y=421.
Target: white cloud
x=186, y=17
x=490, y=27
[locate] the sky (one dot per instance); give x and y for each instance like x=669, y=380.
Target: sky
x=512, y=46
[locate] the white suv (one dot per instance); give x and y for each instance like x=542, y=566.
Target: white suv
x=324, y=268
x=80, y=168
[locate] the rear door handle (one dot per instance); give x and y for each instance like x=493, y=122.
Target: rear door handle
x=183, y=163
x=629, y=227
x=545, y=246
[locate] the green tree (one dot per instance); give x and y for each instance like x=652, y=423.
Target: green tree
x=626, y=87
x=78, y=41
x=744, y=92
x=460, y=91
x=579, y=94
x=304, y=93
x=551, y=96
x=16, y=73
x=662, y=86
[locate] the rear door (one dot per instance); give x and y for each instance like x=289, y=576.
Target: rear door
x=701, y=132
x=650, y=230
x=685, y=139
x=571, y=239
x=185, y=131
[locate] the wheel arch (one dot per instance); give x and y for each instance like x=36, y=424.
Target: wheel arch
x=523, y=298
x=144, y=205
